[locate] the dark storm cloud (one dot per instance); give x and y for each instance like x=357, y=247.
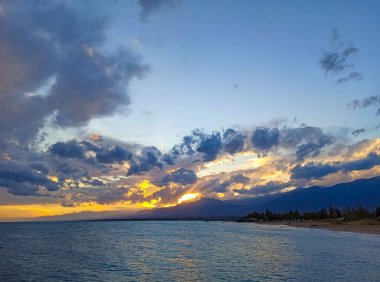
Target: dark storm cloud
x=307, y=141
x=181, y=176
x=115, y=154
x=366, y=163
x=70, y=149
x=185, y=147
x=168, y=159
x=314, y=170
x=312, y=149
x=233, y=141
x=209, y=145
x=149, y=7
x=90, y=156
x=293, y=137
x=148, y=159
x=338, y=59
x=51, y=45
x=264, y=139
x=68, y=169
x=20, y=179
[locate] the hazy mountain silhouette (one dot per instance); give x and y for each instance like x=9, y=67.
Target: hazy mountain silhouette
x=364, y=192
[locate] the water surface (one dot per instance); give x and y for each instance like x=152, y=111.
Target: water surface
x=183, y=251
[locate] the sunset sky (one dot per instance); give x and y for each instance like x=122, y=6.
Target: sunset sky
x=125, y=105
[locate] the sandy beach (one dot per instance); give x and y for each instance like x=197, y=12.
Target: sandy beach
x=367, y=226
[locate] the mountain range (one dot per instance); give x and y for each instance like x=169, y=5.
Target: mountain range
x=363, y=192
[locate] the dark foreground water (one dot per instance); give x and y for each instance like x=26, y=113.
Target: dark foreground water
x=183, y=251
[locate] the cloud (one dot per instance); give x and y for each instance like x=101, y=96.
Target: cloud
x=215, y=185
x=264, y=139
x=53, y=67
x=148, y=159
x=313, y=170
x=352, y=76
x=233, y=141
x=111, y=195
x=292, y=137
x=20, y=179
x=39, y=167
x=358, y=131
x=368, y=162
x=169, y=194
x=338, y=59
x=148, y=7
x=181, y=176
x=209, y=145
x=312, y=149
x=115, y=154
x=306, y=141
x=239, y=178
x=366, y=102
x=70, y=149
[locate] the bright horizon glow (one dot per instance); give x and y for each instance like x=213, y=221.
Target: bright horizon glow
x=189, y=197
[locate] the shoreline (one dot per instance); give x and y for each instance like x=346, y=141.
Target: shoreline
x=362, y=227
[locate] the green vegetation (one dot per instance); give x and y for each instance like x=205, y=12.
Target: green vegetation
x=346, y=214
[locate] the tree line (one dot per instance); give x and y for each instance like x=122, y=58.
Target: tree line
x=347, y=214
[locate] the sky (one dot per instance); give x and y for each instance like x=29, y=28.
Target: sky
x=119, y=106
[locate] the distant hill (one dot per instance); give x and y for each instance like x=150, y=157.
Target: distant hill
x=205, y=207
x=364, y=192
x=80, y=216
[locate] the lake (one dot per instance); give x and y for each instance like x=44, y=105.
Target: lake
x=183, y=251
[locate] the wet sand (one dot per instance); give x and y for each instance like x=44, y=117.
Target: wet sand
x=367, y=227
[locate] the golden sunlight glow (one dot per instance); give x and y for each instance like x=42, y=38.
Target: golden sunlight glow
x=241, y=161
x=9, y=212
x=371, y=147
x=220, y=195
x=279, y=175
x=53, y=178
x=147, y=187
x=220, y=161
x=189, y=197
